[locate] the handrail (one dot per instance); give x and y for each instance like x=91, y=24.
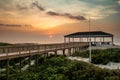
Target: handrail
x=35, y=49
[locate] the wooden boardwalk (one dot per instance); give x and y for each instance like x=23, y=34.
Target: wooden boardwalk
x=9, y=52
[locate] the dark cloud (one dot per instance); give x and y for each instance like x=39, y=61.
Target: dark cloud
x=14, y=25
x=35, y=4
x=51, y=13
x=32, y=5
x=74, y=17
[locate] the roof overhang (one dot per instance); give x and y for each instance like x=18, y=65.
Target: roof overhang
x=89, y=34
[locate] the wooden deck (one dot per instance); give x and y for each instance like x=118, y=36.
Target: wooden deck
x=9, y=52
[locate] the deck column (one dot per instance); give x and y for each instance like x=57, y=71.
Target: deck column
x=112, y=40
x=7, y=69
x=73, y=50
x=45, y=52
x=69, y=51
x=79, y=49
x=45, y=56
x=55, y=53
x=36, y=61
x=20, y=64
x=29, y=63
x=19, y=59
x=76, y=49
x=63, y=52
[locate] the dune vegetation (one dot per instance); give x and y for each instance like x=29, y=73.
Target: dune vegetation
x=102, y=56
x=61, y=68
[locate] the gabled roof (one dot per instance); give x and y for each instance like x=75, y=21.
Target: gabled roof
x=92, y=34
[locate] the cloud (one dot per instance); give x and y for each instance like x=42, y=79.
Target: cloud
x=53, y=13
x=74, y=17
x=14, y=25
x=99, y=12
x=38, y=6
x=68, y=15
x=23, y=6
x=48, y=12
x=67, y=9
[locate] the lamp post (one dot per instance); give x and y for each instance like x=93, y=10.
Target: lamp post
x=90, y=59
x=89, y=40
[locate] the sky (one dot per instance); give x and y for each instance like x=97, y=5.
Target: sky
x=47, y=21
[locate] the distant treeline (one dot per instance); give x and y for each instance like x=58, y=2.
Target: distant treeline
x=5, y=44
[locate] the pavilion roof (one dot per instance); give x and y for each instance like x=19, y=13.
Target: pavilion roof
x=92, y=34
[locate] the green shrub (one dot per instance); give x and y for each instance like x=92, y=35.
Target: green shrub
x=60, y=68
x=101, y=56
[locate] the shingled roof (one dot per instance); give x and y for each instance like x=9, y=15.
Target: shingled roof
x=92, y=34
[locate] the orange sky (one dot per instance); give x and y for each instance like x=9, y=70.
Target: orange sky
x=49, y=20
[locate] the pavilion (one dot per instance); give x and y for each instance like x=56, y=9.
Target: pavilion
x=96, y=37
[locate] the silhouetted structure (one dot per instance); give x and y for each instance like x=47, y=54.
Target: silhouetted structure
x=97, y=37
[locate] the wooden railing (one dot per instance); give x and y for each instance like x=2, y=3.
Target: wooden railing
x=7, y=52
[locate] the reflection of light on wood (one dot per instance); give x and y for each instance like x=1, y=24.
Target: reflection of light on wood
x=51, y=36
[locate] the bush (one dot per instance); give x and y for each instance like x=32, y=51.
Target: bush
x=102, y=56
x=60, y=68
